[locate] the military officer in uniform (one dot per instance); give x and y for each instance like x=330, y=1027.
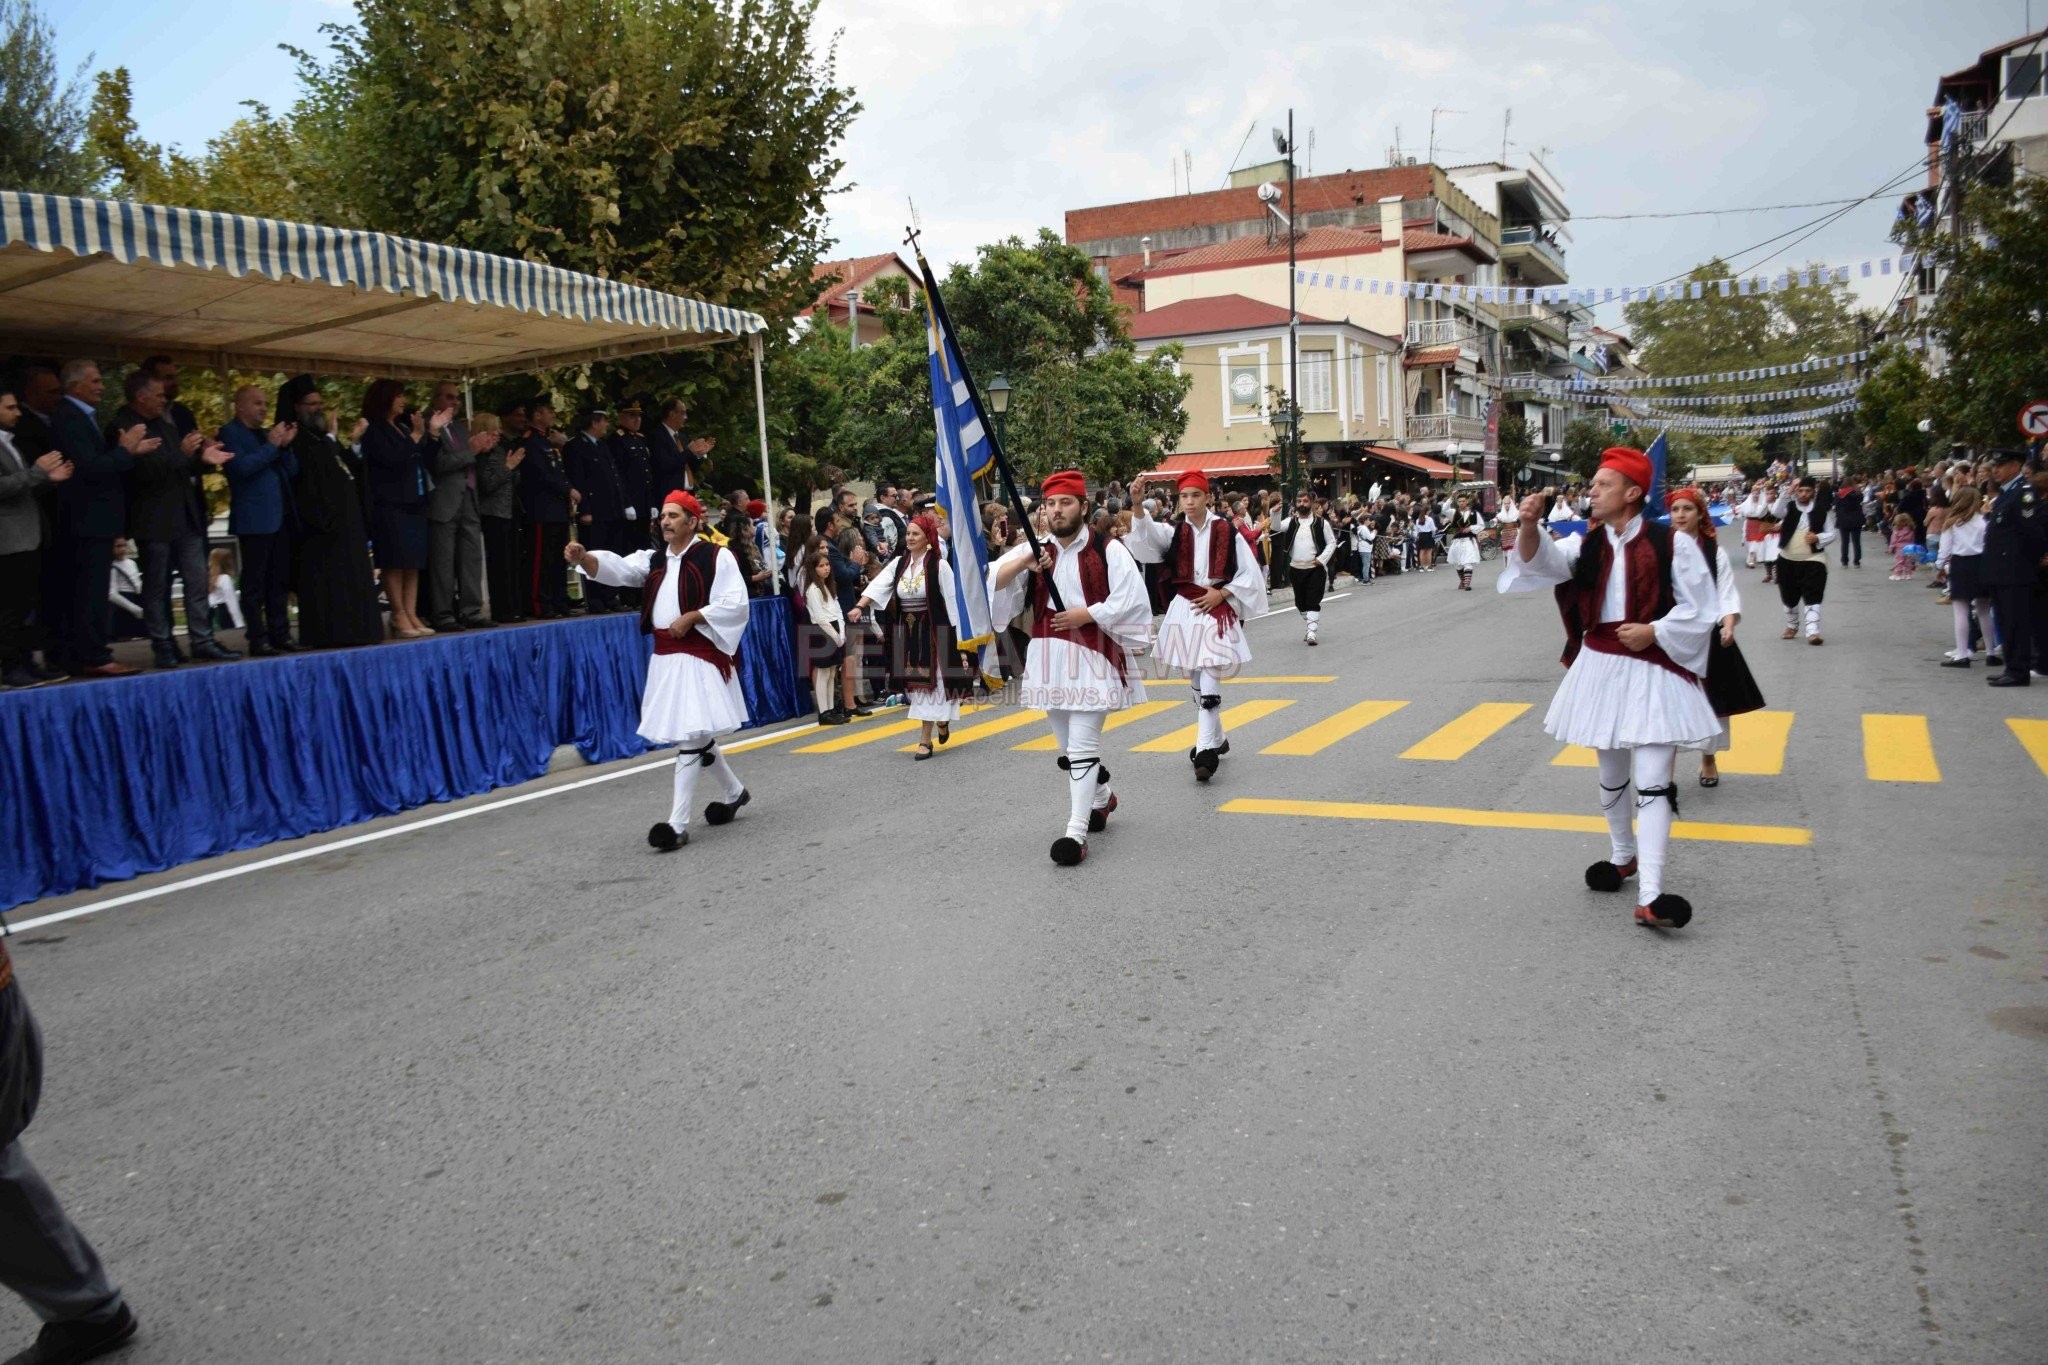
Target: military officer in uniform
x=633, y=457
x=2015, y=544
x=600, y=510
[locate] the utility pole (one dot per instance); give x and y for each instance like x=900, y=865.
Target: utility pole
x=1291, y=474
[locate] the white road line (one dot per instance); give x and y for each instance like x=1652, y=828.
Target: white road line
x=1282, y=611
x=391, y=832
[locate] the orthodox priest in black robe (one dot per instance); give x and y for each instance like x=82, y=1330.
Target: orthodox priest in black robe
x=336, y=588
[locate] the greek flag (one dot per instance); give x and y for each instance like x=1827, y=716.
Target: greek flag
x=1923, y=211
x=1951, y=123
x=1659, y=453
x=964, y=452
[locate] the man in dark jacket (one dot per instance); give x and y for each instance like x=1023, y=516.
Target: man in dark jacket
x=678, y=458
x=92, y=513
x=633, y=458
x=167, y=519
x=2015, y=552
x=545, y=493
x=454, y=588
x=1849, y=521
x=600, y=511
x=497, y=483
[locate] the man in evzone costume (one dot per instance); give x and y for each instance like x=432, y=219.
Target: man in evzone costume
x=1075, y=669
x=1639, y=607
x=1215, y=585
x=693, y=601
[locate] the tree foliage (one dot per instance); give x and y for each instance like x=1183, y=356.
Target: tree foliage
x=42, y=113
x=1713, y=334
x=1037, y=314
x=1895, y=397
x=1989, y=313
x=1516, y=447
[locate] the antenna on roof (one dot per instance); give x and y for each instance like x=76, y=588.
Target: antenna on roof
x=1506, y=122
x=1240, y=152
x=1308, y=152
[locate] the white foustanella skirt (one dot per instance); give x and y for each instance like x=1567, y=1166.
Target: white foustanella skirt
x=687, y=699
x=1610, y=701
x=1190, y=639
x=1464, y=552
x=932, y=706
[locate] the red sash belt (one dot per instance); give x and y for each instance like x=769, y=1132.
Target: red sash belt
x=1225, y=613
x=695, y=645
x=1605, y=638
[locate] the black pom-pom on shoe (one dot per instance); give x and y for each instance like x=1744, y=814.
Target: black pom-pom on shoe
x=664, y=838
x=1606, y=876
x=1665, y=912
x=1068, y=852
x=722, y=812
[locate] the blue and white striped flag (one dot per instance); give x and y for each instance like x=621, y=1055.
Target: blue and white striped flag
x=1951, y=123
x=1660, y=454
x=964, y=452
x=1923, y=211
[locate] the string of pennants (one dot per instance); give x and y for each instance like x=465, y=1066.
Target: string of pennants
x=1562, y=388
x=1882, y=267
x=1783, y=421
x=1580, y=385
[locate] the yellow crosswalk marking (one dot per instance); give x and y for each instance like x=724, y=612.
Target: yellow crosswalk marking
x=1324, y=733
x=1291, y=678
x=2033, y=734
x=1756, y=743
x=1115, y=720
x=1467, y=732
x=868, y=733
x=1000, y=725
x=1783, y=835
x=1233, y=716
x=1756, y=746
x=1898, y=749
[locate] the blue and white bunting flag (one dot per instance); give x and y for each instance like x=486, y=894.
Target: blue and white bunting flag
x=964, y=451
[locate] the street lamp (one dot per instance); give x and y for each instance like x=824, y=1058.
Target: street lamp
x=998, y=392
x=1283, y=427
x=1451, y=452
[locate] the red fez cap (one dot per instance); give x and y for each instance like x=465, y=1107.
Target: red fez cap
x=1067, y=483
x=756, y=508
x=1191, y=478
x=685, y=500
x=1632, y=465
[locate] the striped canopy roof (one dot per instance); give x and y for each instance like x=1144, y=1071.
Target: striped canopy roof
x=121, y=281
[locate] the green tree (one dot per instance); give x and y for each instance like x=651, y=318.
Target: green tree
x=1712, y=334
x=254, y=166
x=42, y=114
x=1582, y=444
x=1037, y=314
x=1988, y=315
x=1517, y=448
x=1892, y=402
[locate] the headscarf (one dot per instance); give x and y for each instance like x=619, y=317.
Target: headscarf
x=1699, y=500
x=929, y=524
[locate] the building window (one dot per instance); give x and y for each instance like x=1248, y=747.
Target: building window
x=2023, y=76
x=1357, y=382
x=1317, y=378
x=1384, y=389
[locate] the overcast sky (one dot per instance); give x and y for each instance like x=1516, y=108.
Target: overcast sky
x=996, y=117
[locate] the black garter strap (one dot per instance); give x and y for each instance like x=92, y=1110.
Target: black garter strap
x=704, y=756
x=1076, y=769
x=1647, y=796
x=1210, y=701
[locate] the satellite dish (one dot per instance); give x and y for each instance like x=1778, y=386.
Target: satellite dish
x=1280, y=142
x=1269, y=193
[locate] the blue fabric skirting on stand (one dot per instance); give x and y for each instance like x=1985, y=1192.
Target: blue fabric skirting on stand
x=103, y=781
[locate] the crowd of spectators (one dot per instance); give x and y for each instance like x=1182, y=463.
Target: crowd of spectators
x=401, y=520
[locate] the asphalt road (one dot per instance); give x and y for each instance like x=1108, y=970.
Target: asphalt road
x=865, y=1078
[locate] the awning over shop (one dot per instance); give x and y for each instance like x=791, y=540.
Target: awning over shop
x=122, y=281
x=1217, y=464
x=1436, y=469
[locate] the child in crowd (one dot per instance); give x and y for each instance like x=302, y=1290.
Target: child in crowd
x=825, y=637
x=223, y=599
x=1903, y=559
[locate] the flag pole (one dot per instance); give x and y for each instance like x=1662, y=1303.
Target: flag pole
x=937, y=303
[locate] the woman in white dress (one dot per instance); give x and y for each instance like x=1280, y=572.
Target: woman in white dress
x=914, y=593
x=1725, y=665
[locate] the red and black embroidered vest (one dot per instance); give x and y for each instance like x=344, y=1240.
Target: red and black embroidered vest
x=1647, y=597
x=698, y=569
x=1222, y=565
x=1093, y=564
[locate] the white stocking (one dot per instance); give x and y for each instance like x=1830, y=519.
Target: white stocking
x=1615, y=805
x=825, y=688
x=1812, y=619
x=1312, y=617
x=1208, y=719
x=1653, y=817
x=727, y=778
x=1962, y=613
x=687, y=764
x=1079, y=735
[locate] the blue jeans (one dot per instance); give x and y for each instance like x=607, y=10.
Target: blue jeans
x=186, y=557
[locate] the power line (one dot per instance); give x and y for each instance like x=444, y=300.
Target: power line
x=1702, y=213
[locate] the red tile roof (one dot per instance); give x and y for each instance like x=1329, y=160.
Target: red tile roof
x=1225, y=313
x=1233, y=464
x=1312, y=194
x=1313, y=245
x=852, y=274
x=1435, y=355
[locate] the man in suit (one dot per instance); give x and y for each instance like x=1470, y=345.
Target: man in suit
x=678, y=459
x=24, y=533
x=600, y=510
x=93, y=510
x=497, y=479
x=164, y=370
x=633, y=458
x=2015, y=551
x=261, y=518
x=455, y=528
x=167, y=519
x=548, y=499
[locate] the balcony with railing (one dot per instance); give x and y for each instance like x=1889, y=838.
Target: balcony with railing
x=1424, y=428
x=1541, y=315
x=1528, y=245
x=1443, y=332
